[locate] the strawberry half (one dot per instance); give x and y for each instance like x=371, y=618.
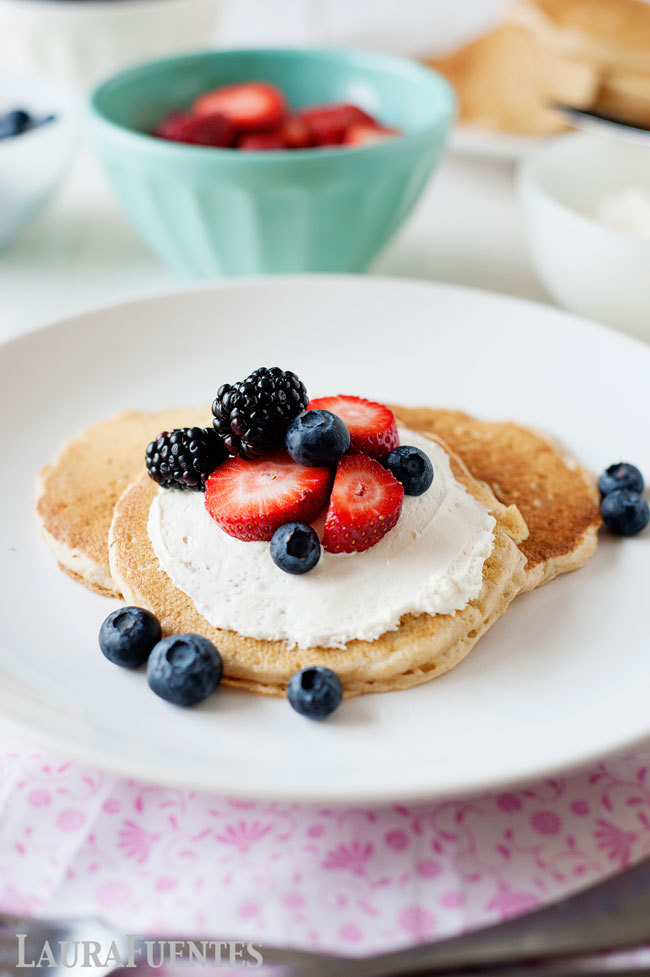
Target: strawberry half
x=251, y=499
x=365, y=504
x=251, y=106
x=173, y=126
x=296, y=133
x=365, y=135
x=256, y=141
x=328, y=123
x=209, y=130
x=372, y=427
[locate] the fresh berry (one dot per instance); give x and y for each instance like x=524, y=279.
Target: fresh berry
x=315, y=692
x=317, y=437
x=208, y=130
x=329, y=123
x=365, y=504
x=296, y=133
x=128, y=635
x=372, y=426
x=173, y=126
x=185, y=458
x=251, y=106
x=184, y=669
x=624, y=512
x=262, y=141
x=620, y=476
x=251, y=499
x=411, y=467
x=295, y=548
x=251, y=417
x=367, y=135
x=14, y=123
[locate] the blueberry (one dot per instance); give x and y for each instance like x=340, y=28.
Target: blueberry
x=620, y=476
x=315, y=692
x=625, y=512
x=14, y=123
x=127, y=636
x=184, y=669
x=411, y=467
x=295, y=547
x=317, y=437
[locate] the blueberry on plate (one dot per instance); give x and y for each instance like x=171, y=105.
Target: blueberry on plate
x=127, y=636
x=624, y=512
x=295, y=547
x=623, y=475
x=317, y=437
x=411, y=467
x=315, y=692
x=14, y=123
x=184, y=669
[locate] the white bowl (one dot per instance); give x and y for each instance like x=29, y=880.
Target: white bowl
x=587, y=266
x=82, y=41
x=34, y=164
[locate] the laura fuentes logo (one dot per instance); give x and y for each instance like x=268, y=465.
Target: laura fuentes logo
x=134, y=951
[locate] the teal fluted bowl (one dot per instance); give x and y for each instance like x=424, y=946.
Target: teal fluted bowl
x=210, y=212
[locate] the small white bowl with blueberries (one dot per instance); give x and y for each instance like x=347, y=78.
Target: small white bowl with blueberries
x=39, y=131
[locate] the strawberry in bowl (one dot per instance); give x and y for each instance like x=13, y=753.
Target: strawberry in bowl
x=255, y=116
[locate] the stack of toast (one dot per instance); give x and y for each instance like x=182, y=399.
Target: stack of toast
x=93, y=502
x=585, y=53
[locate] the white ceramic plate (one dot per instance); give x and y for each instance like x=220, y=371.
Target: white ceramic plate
x=483, y=144
x=562, y=678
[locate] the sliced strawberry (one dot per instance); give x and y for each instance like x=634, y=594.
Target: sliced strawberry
x=251, y=106
x=364, y=135
x=372, y=426
x=329, y=123
x=173, y=126
x=273, y=139
x=297, y=133
x=365, y=504
x=209, y=130
x=251, y=499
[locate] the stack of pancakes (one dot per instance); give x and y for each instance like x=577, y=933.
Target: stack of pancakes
x=585, y=53
x=93, y=503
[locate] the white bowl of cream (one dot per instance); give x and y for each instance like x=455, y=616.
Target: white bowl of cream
x=584, y=199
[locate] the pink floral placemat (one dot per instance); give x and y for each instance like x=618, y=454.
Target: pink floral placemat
x=78, y=842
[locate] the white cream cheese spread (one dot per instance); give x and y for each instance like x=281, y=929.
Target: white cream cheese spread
x=431, y=562
x=626, y=210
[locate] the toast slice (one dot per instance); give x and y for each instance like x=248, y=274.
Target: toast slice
x=608, y=34
x=507, y=81
x=626, y=95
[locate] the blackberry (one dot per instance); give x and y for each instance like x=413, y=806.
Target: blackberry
x=184, y=458
x=251, y=417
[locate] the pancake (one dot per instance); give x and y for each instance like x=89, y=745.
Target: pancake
x=507, y=81
x=558, y=499
x=626, y=95
x=76, y=493
x=78, y=490
x=421, y=648
x=608, y=34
